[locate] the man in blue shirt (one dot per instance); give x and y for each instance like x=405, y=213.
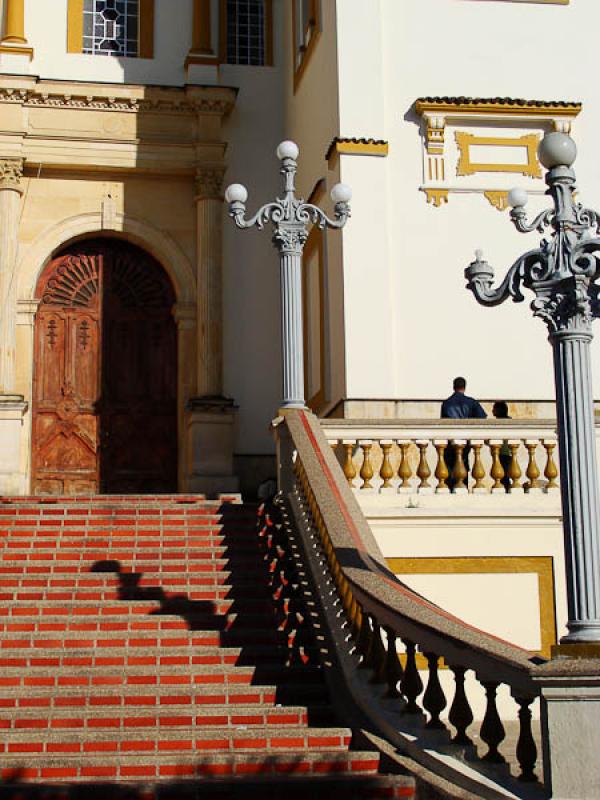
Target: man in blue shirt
x=461, y=406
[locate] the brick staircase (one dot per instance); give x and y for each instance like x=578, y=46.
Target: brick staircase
x=159, y=647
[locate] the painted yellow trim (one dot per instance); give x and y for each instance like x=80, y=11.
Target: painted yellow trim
x=436, y=196
x=146, y=32
x=75, y=26
x=361, y=149
x=465, y=166
x=497, y=198
x=498, y=109
x=14, y=22
x=300, y=68
x=201, y=27
x=16, y=50
x=542, y=566
x=577, y=650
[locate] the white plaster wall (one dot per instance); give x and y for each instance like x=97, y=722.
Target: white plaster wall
x=428, y=328
x=252, y=342
x=312, y=120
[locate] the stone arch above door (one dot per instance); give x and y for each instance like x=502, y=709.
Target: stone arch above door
x=139, y=232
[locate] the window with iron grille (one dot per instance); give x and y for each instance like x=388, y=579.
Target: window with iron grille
x=111, y=27
x=246, y=32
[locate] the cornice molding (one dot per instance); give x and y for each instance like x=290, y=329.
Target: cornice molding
x=496, y=106
x=357, y=147
x=135, y=101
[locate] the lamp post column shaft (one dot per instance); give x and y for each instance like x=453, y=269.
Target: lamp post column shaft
x=292, y=333
x=579, y=482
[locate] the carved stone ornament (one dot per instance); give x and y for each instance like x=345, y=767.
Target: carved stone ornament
x=11, y=172
x=562, y=272
x=209, y=182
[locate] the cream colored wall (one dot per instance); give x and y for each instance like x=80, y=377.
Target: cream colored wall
x=312, y=119
x=410, y=324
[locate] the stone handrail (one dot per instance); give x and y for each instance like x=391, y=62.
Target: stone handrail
x=432, y=456
x=379, y=612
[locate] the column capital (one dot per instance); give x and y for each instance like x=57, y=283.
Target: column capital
x=209, y=182
x=11, y=173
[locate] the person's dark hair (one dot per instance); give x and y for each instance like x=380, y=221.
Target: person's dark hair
x=500, y=409
x=458, y=384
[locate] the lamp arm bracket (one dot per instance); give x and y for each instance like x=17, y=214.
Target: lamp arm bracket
x=309, y=213
x=270, y=212
x=543, y=220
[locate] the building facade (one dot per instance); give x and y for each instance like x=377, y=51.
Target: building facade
x=139, y=334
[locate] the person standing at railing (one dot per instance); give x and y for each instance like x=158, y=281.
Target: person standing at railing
x=460, y=406
x=500, y=411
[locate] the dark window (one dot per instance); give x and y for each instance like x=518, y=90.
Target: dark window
x=246, y=32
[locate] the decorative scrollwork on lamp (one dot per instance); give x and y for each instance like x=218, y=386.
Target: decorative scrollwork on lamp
x=290, y=217
x=562, y=273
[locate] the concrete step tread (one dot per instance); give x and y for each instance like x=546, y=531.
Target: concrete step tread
x=174, y=608
x=191, y=692
x=187, y=748
x=40, y=765
x=110, y=726
x=207, y=673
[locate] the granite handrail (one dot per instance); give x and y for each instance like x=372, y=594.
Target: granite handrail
x=380, y=611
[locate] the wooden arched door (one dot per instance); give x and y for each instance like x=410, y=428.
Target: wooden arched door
x=104, y=395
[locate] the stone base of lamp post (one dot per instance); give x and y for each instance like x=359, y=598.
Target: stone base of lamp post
x=209, y=428
x=13, y=479
x=570, y=709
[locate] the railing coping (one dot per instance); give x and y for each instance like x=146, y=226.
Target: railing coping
x=439, y=424
x=378, y=589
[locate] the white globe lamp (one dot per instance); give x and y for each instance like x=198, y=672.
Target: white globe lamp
x=236, y=193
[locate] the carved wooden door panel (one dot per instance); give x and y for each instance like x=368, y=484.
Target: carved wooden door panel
x=104, y=398
x=139, y=424
x=65, y=457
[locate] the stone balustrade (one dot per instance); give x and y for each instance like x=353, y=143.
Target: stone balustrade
x=446, y=456
x=391, y=642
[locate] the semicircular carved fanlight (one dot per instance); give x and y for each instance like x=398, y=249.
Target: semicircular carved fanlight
x=138, y=282
x=74, y=282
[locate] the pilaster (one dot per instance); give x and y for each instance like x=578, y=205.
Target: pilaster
x=13, y=35
x=209, y=233
x=11, y=173
x=210, y=417
x=203, y=52
x=570, y=705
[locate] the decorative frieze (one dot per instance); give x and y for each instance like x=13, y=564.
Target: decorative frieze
x=179, y=105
